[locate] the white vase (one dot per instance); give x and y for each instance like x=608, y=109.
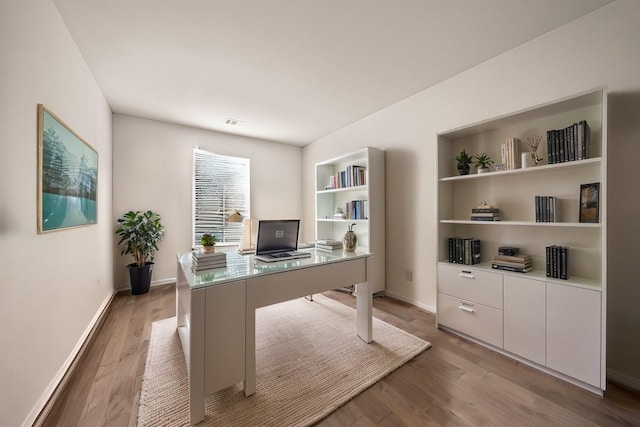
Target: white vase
x=527, y=161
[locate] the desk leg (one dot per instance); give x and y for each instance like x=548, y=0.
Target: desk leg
x=196, y=354
x=250, y=352
x=364, y=306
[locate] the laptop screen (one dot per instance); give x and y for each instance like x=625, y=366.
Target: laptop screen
x=277, y=236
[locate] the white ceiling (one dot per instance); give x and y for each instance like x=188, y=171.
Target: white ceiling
x=292, y=70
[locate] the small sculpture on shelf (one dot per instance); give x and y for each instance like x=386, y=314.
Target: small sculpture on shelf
x=534, y=143
x=339, y=213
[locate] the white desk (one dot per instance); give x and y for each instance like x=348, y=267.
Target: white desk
x=216, y=311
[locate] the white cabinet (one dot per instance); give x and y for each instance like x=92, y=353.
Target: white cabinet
x=531, y=322
x=470, y=301
x=574, y=332
x=525, y=318
x=355, y=184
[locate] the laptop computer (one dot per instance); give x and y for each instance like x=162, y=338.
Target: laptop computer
x=278, y=240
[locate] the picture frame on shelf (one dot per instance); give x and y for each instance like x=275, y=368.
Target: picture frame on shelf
x=589, y=203
x=67, y=176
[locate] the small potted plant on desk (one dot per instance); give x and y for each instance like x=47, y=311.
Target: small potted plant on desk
x=208, y=242
x=483, y=162
x=140, y=233
x=463, y=160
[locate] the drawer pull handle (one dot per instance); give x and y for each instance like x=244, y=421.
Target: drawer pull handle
x=466, y=308
x=466, y=273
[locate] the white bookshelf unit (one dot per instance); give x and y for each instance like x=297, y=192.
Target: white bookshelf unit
x=369, y=229
x=555, y=325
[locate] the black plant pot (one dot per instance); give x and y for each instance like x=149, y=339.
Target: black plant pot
x=140, y=278
x=464, y=171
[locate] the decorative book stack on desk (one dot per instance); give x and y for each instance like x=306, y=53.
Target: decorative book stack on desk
x=328, y=245
x=206, y=261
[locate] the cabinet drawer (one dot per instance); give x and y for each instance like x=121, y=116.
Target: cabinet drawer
x=471, y=284
x=476, y=320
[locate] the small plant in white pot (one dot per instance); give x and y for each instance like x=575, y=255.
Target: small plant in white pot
x=208, y=242
x=483, y=162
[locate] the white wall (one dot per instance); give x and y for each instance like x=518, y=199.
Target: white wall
x=598, y=49
x=52, y=285
x=152, y=169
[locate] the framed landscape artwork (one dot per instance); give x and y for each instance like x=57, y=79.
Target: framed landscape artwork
x=67, y=176
x=590, y=202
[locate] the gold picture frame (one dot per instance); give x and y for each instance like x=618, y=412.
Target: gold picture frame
x=67, y=176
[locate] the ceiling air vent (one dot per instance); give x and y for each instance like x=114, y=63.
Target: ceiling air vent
x=233, y=122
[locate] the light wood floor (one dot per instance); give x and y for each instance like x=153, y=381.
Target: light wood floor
x=455, y=383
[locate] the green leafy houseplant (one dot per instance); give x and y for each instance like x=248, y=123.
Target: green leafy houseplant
x=208, y=239
x=483, y=161
x=140, y=233
x=462, y=161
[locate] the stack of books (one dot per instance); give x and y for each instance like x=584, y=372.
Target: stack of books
x=557, y=261
x=518, y=263
x=486, y=213
x=203, y=261
x=328, y=245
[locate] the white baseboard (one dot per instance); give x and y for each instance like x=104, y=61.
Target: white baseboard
x=416, y=303
x=49, y=392
x=154, y=283
x=623, y=379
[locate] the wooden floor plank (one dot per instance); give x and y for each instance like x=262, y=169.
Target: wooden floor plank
x=455, y=383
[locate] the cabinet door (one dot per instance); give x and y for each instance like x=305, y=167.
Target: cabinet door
x=573, y=332
x=525, y=318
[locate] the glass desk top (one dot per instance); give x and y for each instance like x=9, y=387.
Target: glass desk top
x=241, y=267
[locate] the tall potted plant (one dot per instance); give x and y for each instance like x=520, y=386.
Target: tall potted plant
x=139, y=234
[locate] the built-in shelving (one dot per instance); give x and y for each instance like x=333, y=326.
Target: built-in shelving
x=513, y=192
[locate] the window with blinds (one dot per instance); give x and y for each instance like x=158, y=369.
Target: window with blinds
x=220, y=187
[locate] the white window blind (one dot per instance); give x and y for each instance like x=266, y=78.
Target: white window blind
x=220, y=186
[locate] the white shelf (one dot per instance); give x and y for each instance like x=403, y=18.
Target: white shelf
x=537, y=274
x=370, y=231
x=343, y=189
x=536, y=169
x=357, y=221
x=522, y=223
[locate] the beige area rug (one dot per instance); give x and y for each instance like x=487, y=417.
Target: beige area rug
x=309, y=363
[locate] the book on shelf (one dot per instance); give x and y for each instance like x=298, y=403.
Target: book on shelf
x=569, y=144
x=484, y=210
x=464, y=250
x=546, y=209
x=513, y=264
x=510, y=153
x=557, y=261
x=351, y=176
x=513, y=269
x=486, y=218
x=357, y=209
x=513, y=258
